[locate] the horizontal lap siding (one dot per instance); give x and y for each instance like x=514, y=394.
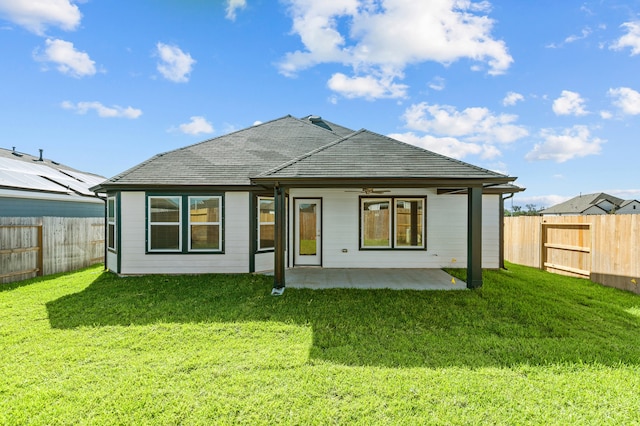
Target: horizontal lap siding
x=446, y=231
x=264, y=262
x=236, y=245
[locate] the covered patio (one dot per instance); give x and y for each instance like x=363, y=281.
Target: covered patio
x=360, y=278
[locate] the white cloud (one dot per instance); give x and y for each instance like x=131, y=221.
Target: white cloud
x=606, y=115
x=451, y=147
x=233, y=6
x=570, y=143
x=382, y=38
x=628, y=100
x=196, y=126
x=512, y=98
x=68, y=60
x=569, y=103
x=631, y=39
x=175, y=64
x=437, y=83
x=37, y=15
x=475, y=124
x=114, y=111
x=368, y=87
x=583, y=34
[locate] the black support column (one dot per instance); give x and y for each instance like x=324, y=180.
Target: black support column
x=474, y=237
x=280, y=240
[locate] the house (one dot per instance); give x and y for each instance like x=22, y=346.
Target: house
x=590, y=204
x=303, y=193
x=629, y=207
x=33, y=186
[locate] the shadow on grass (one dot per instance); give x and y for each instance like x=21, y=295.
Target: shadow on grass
x=510, y=321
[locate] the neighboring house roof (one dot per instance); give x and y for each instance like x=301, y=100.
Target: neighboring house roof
x=23, y=175
x=583, y=204
x=290, y=149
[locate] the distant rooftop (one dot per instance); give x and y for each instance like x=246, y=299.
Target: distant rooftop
x=25, y=172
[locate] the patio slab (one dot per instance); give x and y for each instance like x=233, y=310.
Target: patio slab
x=395, y=279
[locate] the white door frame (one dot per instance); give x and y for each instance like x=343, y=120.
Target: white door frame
x=313, y=255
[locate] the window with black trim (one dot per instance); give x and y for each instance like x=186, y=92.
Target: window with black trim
x=111, y=223
x=205, y=223
x=392, y=223
x=184, y=223
x=266, y=223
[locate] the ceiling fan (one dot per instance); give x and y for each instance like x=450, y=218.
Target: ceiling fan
x=369, y=191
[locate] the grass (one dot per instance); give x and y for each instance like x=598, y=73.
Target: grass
x=528, y=348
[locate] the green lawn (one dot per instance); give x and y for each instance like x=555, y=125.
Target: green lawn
x=527, y=348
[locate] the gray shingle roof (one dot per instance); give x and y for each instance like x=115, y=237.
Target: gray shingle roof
x=294, y=148
x=581, y=203
x=230, y=159
x=368, y=154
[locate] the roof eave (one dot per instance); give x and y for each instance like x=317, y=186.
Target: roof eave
x=387, y=182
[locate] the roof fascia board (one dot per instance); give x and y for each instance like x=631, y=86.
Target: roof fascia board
x=398, y=182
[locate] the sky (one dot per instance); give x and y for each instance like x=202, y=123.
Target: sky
x=545, y=90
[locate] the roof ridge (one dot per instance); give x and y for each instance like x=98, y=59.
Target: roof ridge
x=308, y=154
x=308, y=122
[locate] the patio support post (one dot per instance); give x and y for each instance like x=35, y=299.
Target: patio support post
x=280, y=240
x=474, y=237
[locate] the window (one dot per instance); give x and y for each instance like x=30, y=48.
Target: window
x=409, y=222
x=165, y=224
x=376, y=224
x=184, y=224
x=111, y=223
x=266, y=223
x=392, y=223
x=204, y=223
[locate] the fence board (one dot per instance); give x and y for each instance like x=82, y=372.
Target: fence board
x=609, y=252
x=48, y=245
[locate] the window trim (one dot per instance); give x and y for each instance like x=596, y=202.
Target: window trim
x=184, y=231
x=260, y=223
x=388, y=200
x=392, y=199
x=150, y=224
x=190, y=224
x=395, y=227
x=112, y=220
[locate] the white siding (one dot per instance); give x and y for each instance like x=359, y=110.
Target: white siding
x=264, y=262
x=236, y=241
x=112, y=261
x=446, y=231
x=631, y=208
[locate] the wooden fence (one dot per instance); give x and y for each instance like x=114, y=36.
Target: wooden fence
x=603, y=248
x=37, y=246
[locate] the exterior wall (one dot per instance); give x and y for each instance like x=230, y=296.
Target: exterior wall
x=135, y=260
x=28, y=207
x=111, y=262
x=264, y=261
x=631, y=208
x=446, y=231
x=594, y=210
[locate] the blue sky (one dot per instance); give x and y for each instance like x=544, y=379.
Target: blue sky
x=545, y=90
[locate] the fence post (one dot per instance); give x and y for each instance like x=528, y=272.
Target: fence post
x=40, y=262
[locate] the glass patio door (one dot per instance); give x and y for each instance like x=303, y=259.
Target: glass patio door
x=308, y=232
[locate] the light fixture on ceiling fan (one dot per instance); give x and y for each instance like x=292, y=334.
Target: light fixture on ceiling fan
x=369, y=191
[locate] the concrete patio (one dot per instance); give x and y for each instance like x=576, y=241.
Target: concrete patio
x=395, y=279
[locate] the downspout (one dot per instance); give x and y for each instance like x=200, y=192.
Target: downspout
x=501, y=230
